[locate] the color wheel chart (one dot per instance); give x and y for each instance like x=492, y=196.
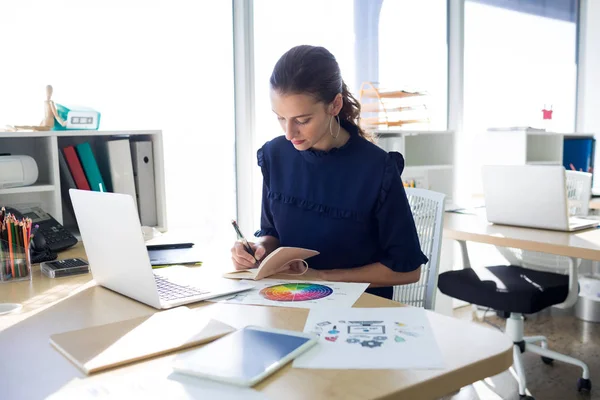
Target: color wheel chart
x=296, y=292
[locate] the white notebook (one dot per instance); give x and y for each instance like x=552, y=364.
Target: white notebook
x=106, y=346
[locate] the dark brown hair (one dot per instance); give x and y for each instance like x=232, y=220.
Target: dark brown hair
x=314, y=70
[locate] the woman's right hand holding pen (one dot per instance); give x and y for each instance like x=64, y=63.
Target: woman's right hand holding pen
x=244, y=260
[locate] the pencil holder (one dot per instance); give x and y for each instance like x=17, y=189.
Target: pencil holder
x=15, y=263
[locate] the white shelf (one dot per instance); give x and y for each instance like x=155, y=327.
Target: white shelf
x=106, y=133
x=429, y=167
x=37, y=188
x=557, y=162
x=519, y=147
x=44, y=147
x=35, y=134
x=428, y=157
x=398, y=132
x=539, y=132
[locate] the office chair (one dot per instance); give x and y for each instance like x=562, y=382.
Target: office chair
x=428, y=212
x=532, y=282
x=579, y=192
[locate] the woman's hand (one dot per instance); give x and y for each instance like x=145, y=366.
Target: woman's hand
x=314, y=274
x=244, y=260
x=300, y=268
x=292, y=268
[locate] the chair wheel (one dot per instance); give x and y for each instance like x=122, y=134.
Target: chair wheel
x=547, y=360
x=525, y=397
x=584, y=384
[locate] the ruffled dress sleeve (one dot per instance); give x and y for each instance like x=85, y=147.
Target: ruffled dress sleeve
x=399, y=242
x=267, y=226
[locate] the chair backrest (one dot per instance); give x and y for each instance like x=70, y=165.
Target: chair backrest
x=579, y=192
x=428, y=212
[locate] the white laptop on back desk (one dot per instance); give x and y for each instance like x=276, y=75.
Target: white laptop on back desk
x=533, y=196
x=113, y=240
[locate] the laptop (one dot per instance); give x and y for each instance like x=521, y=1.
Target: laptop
x=533, y=196
x=112, y=236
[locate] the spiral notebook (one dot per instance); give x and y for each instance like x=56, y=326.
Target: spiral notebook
x=106, y=346
x=275, y=263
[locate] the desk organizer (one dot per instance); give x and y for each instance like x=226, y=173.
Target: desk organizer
x=15, y=263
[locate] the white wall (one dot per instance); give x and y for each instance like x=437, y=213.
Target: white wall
x=588, y=98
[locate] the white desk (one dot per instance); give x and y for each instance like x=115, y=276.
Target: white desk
x=32, y=369
x=583, y=244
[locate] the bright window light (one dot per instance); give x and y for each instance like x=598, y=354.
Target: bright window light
x=413, y=53
x=281, y=25
x=151, y=64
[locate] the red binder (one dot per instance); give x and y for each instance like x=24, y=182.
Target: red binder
x=75, y=167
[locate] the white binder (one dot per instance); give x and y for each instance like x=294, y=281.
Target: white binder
x=143, y=173
x=121, y=167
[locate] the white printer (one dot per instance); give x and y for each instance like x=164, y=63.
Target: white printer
x=16, y=171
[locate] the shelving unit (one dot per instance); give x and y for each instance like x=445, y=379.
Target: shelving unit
x=428, y=158
x=391, y=109
x=516, y=147
x=44, y=148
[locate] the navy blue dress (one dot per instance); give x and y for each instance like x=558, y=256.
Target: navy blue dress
x=347, y=203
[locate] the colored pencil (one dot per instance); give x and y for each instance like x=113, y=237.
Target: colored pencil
x=18, y=248
x=10, y=249
x=23, y=238
x=2, y=262
x=15, y=236
x=4, y=247
x=26, y=247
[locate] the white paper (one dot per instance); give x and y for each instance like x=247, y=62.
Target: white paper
x=298, y=294
x=371, y=338
x=173, y=387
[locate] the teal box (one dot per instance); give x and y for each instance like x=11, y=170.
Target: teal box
x=77, y=118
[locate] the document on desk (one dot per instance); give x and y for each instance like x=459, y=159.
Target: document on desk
x=171, y=386
x=371, y=338
x=298, y=294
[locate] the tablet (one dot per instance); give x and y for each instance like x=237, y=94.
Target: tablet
x=245, y=357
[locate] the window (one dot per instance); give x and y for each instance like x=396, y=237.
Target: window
x=519, y=58
x=413, y=53
x=144, y=65
x=281, y=25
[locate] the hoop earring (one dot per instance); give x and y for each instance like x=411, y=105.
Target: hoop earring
x=339, y=127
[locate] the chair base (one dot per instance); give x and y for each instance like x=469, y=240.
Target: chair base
x=522, y=344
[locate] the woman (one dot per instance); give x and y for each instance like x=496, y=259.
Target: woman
x=327, y=187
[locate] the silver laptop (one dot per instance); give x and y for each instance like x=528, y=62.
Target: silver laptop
x=113, y=240
x=530, y=195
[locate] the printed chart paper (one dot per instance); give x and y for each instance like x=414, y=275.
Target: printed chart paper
x=299, y=294
x=371, y=338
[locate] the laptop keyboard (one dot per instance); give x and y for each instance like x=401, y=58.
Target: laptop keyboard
x=168, y=290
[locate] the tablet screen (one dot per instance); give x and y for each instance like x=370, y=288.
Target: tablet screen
x=241, y=355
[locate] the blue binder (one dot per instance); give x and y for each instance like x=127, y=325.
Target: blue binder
x=578, y=153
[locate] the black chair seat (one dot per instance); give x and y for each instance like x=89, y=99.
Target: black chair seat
x=514, y=289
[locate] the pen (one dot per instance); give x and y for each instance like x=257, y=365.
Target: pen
x=35, y=228
x=243, y=239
